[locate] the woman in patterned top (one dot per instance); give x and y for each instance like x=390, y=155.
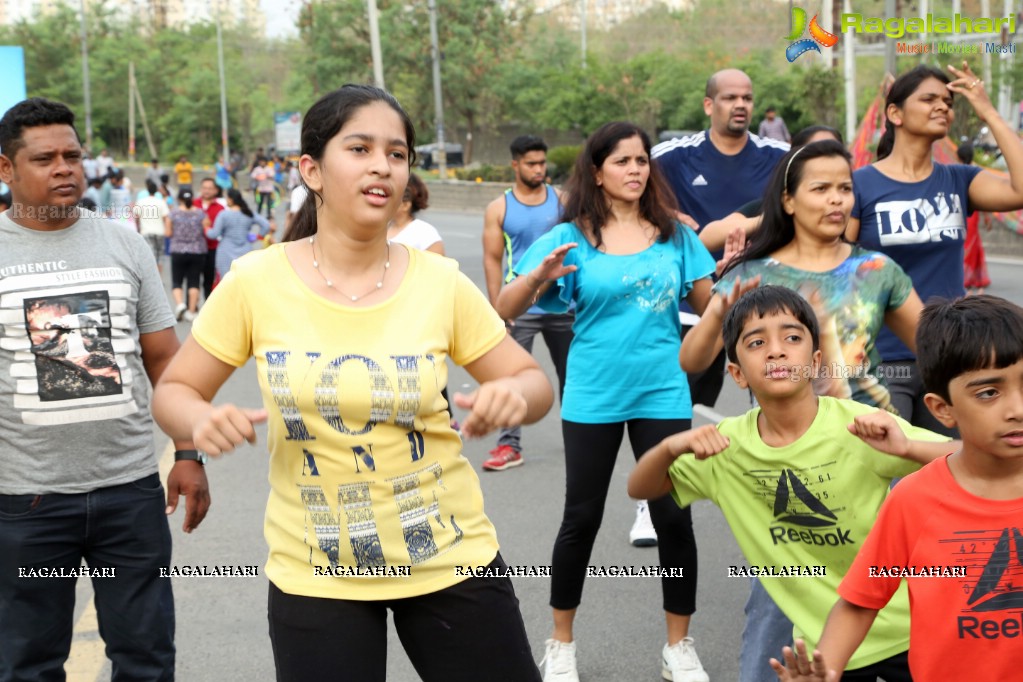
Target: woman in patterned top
x=801, y=245
x=188, y=253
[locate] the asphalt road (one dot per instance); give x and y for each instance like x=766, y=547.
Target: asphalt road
x=221, y=622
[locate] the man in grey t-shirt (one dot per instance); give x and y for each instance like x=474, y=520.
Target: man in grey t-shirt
x=773, y=126
x=85, y=322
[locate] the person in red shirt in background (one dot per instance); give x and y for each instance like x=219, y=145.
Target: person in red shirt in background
x=211, y=203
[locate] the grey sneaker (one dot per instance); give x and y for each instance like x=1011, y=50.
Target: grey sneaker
x=680, y=663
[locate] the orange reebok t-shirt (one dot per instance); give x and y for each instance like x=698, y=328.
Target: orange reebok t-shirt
x=962, y=557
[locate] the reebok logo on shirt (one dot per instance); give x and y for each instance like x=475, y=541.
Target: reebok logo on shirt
x=795, y=504
x=699, y=181
x=999, y=588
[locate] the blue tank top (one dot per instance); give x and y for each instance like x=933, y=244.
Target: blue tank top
x=522, y=226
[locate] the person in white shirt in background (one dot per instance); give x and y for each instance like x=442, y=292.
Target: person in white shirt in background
x=150, y=212
x=406, y=228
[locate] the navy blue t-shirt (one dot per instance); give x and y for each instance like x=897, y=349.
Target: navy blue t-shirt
x=919, y=225
x=710, y=185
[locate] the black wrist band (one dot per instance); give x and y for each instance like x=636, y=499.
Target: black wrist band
x=190, y=455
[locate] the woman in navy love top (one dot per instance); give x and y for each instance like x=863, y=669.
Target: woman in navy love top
x=914, y=210
x=624, y=261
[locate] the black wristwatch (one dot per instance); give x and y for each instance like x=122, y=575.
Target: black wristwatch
x=190, y=455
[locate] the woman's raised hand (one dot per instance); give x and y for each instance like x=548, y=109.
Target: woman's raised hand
x=727, y=298
x=552, y=266
x=735, y=243
x=970, y=86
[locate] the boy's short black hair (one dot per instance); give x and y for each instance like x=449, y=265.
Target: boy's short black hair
x=768, y=299
x=31, y=113
x=523, y=144
x=971, y=333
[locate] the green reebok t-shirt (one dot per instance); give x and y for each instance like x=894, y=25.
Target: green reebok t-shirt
x=809, y=503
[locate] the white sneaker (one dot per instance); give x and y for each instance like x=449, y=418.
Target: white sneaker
x=189, y=316
x=560, y=658
x=179, y=311
x=680, y=663
x=643, y=533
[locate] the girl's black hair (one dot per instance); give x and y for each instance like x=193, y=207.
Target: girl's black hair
x=585, y=203
x=321, y=123
x=236, y=198
x=185, y=197
x=777, y=228
x=904, y=86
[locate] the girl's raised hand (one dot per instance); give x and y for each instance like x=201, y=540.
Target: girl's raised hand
x=495, y=404
x=225, y=427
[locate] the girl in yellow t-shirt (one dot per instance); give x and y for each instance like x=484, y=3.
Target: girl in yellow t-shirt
x=372, y=505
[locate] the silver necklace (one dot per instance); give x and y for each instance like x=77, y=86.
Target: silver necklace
x=330, y=283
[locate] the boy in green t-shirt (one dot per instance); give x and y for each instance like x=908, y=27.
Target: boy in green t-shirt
x=952, y=532
x=800, y=478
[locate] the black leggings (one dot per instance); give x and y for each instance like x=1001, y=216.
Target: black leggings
x=186, y=267
x=209, y=272
x=467, y=632
x=590, y=453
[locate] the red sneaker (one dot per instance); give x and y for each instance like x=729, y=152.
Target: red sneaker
x=503, y=457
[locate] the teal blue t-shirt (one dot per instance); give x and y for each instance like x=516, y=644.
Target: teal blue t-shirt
x=623, y=361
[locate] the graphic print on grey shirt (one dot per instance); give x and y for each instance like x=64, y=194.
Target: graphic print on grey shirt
x=74, y=395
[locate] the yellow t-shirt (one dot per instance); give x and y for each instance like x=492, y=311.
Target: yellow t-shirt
x=366, y=474
x=184, y=171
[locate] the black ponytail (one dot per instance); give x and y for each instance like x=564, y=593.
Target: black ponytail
x=304, y=223
x=236, y=198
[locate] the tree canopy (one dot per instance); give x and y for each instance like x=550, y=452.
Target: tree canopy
x=500, y=67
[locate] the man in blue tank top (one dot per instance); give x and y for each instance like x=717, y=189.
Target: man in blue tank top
x=511, y=224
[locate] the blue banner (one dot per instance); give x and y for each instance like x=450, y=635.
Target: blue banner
x=12, y=85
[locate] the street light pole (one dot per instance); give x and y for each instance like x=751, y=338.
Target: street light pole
x=438, y=102
x=85, y=83
x=582, y=29
x=223, y=93
x=374, y=44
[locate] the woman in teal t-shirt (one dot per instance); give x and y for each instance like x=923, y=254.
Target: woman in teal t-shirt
x=624, y=261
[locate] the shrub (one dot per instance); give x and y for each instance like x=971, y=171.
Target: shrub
x=486, y=173
x=560, y=161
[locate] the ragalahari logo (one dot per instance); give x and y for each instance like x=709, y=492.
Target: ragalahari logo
x=818, y=36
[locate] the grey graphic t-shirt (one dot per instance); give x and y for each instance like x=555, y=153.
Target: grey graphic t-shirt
x=74, y=396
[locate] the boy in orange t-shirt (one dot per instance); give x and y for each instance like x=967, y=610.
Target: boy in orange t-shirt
x=954, y=529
